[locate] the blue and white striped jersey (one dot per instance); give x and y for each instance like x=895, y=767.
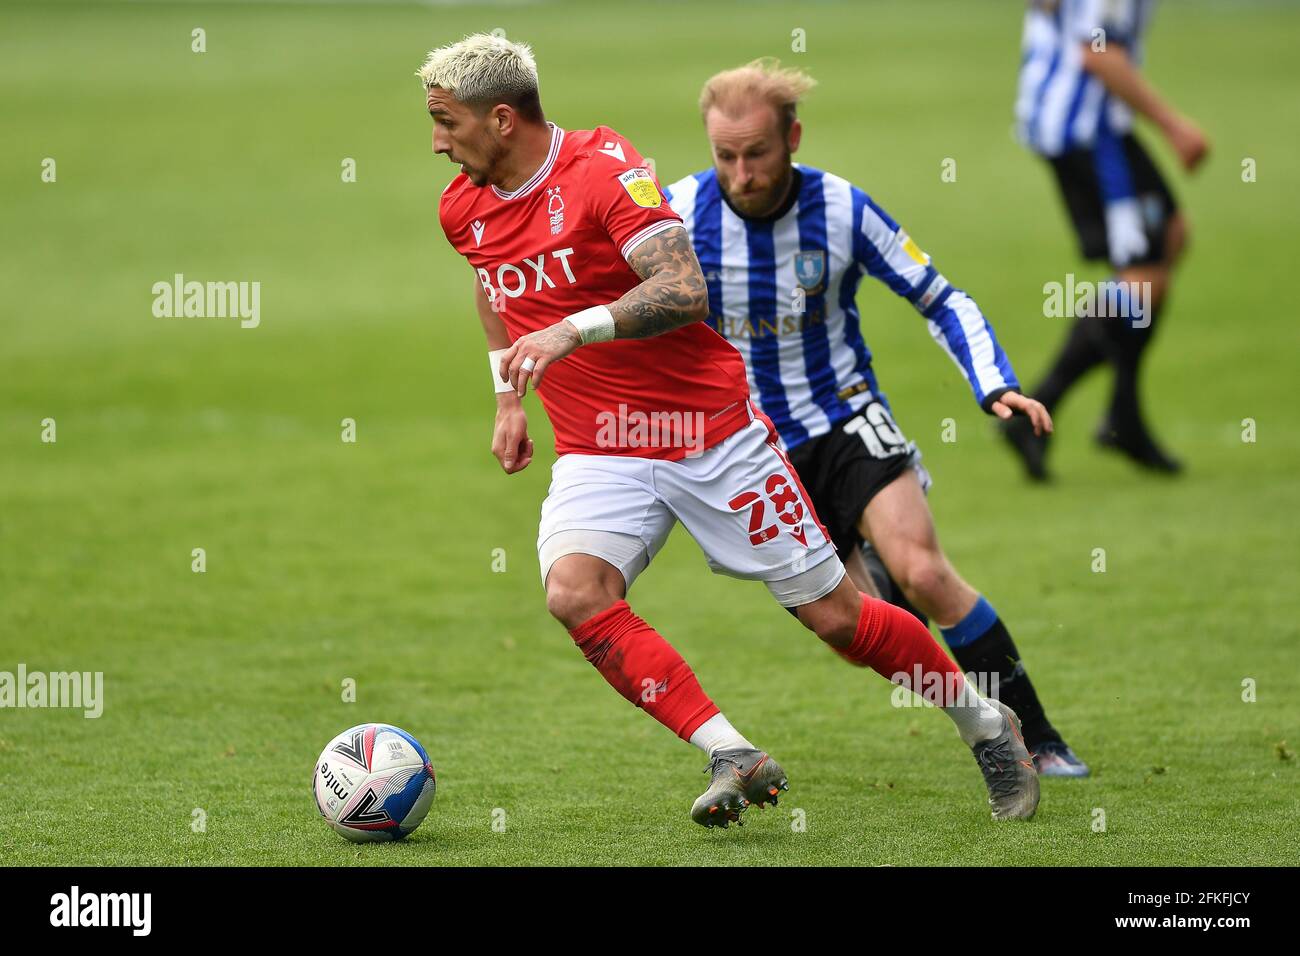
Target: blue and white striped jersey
x=782, y=291
x=1059, y=105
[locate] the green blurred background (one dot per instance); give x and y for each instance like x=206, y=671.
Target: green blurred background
x=373, y=561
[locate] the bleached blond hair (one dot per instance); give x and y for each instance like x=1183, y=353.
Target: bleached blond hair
x=484, y=69
x=765, y=79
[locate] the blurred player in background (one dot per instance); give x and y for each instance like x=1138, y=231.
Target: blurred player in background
x=784, y=248
x=1079, y=88
x=587, y=288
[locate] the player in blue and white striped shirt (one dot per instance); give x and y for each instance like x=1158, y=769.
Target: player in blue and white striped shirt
x=783, y=250
x=1079, y=88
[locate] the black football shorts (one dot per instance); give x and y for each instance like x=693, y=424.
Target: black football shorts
x=1077, y=174
x=845, y=468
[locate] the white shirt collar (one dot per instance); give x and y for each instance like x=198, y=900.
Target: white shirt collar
x=557, y=137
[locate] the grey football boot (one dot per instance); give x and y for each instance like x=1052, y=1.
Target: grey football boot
x=739, y=778
x=1008, y=769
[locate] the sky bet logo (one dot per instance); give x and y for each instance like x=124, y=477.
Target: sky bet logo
x=103, y=909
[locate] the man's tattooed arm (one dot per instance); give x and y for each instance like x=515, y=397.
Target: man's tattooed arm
x=672, y=292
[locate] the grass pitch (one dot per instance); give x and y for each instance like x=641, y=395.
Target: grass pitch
x=373, y=561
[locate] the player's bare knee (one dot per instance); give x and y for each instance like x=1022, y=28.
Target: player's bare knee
x=571, y=603
x=836, y=629
x=575, y=594
x=925, y=576
x=834, y=618
x=840, y=631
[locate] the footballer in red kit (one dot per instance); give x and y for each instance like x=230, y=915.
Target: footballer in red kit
x=589, y=292
x=559, y=243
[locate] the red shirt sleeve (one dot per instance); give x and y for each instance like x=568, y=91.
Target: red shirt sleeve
x=626, y=197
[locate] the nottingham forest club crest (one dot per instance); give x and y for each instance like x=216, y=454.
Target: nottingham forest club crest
x=555, y=209
x=810, y=269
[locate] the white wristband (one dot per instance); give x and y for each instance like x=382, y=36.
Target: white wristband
x=494, y=360
x=594, y=325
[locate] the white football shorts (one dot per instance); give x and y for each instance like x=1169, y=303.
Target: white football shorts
x=740, y=500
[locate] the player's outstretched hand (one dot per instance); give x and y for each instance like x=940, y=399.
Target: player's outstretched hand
x=510, y=442
x=1189, y=143
x=531, y=355
x=1011, y=403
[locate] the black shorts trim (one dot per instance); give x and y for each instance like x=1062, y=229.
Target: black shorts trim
x=1077, y=176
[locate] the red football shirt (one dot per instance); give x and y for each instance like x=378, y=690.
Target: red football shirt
x=559, y=244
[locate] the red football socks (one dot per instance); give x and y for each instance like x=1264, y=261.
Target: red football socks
x=645, y=669
x=893, y=642
x=897, y=646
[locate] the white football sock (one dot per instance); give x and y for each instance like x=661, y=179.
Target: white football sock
x=716, y=734
x=975, y=717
